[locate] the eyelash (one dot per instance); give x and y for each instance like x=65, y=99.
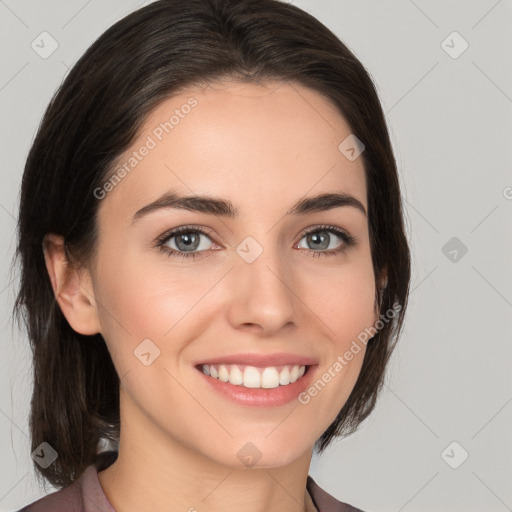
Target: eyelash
x=348, y=240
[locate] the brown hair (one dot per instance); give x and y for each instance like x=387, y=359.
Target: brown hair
x=95, y=115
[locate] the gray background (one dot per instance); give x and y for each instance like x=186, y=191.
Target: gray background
x=450, y=122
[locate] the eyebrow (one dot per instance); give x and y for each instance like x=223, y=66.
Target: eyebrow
x=225, y=208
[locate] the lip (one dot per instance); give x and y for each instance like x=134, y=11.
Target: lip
x=261, y=360
x=260, y=397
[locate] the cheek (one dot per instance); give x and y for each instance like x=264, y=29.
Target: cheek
x=346, y=305
x=349, y=311
x=344, y=299
x=146, y=300
x=153, y=298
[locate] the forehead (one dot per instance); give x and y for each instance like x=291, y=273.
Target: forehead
x=262, y=146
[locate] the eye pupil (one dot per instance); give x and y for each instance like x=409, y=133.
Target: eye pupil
x=318, y=237
x=191, y=241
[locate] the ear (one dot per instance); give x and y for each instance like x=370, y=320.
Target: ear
x=72, y=287
x=383, y=281
x=382, y=284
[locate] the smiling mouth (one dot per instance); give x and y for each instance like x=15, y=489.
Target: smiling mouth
x=254, y=377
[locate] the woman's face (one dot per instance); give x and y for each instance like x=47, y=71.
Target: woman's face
x=257, y=284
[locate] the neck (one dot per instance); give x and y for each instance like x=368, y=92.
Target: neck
x=156, y=472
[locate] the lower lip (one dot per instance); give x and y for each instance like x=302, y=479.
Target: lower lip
x=261, y=397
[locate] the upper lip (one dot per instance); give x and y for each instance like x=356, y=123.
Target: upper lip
x=262, y=360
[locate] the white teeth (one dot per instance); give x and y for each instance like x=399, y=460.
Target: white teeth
x=252, y=377
x=284, y=377
x=235, y=376
x=223, y=374
x=269, y=378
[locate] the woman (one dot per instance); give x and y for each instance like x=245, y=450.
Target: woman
x=214, y=263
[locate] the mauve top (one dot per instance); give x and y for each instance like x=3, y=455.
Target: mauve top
x=86, y=494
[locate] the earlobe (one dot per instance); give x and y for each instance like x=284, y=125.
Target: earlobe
x=382, y=285
x=72, y=287
x=384, y=279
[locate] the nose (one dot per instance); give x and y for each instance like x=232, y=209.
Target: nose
x=263, y=294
